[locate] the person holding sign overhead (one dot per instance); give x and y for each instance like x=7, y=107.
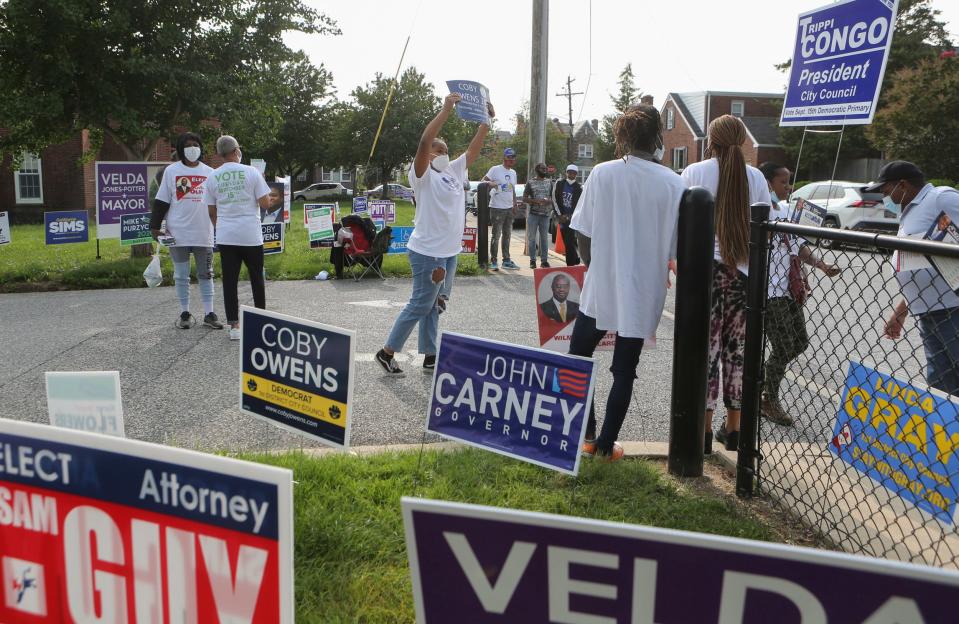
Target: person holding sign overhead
x=235, y=194
x=436, y=239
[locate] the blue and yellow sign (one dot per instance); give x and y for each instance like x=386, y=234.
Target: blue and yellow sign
x=297, y=374
x=903, y=436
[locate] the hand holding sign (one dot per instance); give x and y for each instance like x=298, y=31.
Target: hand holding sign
x=450, y=101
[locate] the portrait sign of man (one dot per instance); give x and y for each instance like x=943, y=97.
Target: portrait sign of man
x=559, y=308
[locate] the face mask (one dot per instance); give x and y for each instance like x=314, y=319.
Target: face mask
x=239, y=155
x=773, y=197
x=192, y=153
x=890, y=205
x=541, y=173
x=441, y=162
x=660, y=150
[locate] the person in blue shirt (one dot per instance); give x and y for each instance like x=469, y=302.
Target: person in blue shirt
x=926, y=295
x=566, y=195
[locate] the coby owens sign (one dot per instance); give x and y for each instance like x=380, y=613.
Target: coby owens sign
x=470, y=563
x=102, y=529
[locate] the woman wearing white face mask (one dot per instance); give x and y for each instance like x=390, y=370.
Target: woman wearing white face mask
x=180, y=199
x=436, y=239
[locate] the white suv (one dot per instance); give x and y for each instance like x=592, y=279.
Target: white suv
x=321, y=190
x=847, y=207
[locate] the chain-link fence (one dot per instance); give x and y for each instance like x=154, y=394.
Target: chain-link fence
x=858, y=433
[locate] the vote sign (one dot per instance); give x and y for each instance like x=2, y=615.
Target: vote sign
x=838, y=62
x=66, y=226
x=103, y=529
x=482, y=564
x=382, y=209
x=525, y=403
x=297, y=374
x=474, y=96
x=273, y=234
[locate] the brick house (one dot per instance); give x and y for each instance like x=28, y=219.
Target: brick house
x=686, y=116
x=585, y=135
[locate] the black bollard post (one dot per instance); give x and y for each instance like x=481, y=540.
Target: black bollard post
x=694, y=287
x=753, y=351
x=482, y=224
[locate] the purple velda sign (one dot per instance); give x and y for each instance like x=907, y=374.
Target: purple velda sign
x=483, y=564
x=530, y=404
x=124, y=188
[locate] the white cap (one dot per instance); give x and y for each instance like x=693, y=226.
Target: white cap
x=572, y=168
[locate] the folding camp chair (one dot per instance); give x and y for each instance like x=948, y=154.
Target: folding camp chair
x=371, y=259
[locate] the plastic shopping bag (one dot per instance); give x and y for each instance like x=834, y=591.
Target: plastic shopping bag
x=152, y=274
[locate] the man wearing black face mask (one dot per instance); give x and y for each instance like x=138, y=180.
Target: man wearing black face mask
x=537, y=196
x=566, y=196
x=926, y=295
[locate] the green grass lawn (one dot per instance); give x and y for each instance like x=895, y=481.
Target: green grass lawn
x=350, y=555
x=28, y=264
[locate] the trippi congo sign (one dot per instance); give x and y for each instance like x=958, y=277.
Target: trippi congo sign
x=482, y=564
x=107, y=530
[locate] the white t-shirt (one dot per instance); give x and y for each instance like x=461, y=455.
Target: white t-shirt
x=706, y=174
x=502, y=188
x=440, y=218
x=188, y=219
x=630, y=210
x=783, y=247
x=234, y=189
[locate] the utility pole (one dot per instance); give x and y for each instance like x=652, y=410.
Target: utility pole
x=537, y=99
x=569, y=98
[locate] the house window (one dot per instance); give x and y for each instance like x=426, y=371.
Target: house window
x=679, y=158
x=585, y=150
x=738, y=108
x=326, y=175
x=345, y=175
x=670, y=119
x=301, y=176
x=585, y=171
x=28, y=180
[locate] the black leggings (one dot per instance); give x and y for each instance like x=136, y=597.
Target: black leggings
x=231, y=256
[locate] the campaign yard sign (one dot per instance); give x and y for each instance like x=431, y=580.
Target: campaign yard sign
x=135, y=229
x=103, y=529
x=469, y=240
x=319, y=223
x=472, y=563
x=297, y=374
x=902, y=435
x=124, y=188
x=838, y=62
x=272, y=237
x=66, y=226
x=399, y=236
x=359, y=204
x=383, y=210
x=525, y=403
x=472, y=106
x=552, y=288
x=4, y=228
x=85, y=400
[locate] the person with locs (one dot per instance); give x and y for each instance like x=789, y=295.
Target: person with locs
x=785, y=321
x=629, y=213
x=926, y=295
x=180, y=200
x=502, y=197
x=566, y=197
x=538, y=196
x=736, y=186
x=235, y=195
x=437, y=237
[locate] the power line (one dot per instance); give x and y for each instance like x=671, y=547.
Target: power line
x=568, y=94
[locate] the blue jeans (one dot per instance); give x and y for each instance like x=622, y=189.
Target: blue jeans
x=940, y=340
x=422, y=306
x=537, y=232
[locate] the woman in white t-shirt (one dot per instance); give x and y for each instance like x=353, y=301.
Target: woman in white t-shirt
x=181, y=201
x=437, y=237
x=629, y=213
x=736, y=186
x=235, y=194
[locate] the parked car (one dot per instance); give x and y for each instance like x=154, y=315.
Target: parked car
x=397, y=191
x=471, y=195
x=847, y=206
x=321, y=190
x=519, y=207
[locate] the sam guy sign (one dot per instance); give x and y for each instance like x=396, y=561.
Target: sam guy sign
x=482, y=564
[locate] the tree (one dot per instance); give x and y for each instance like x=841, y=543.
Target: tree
x=555, y=145
x=920, y=121
x=627, y=95
x=138, y=71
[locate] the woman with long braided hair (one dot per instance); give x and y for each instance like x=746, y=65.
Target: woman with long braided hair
x=734, y=185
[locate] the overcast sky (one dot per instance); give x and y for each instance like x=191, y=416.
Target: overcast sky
x=673, y=45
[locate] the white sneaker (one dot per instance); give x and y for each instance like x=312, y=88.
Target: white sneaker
x=234, y=333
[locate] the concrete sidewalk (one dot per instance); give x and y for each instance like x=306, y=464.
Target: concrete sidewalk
x=518, y=253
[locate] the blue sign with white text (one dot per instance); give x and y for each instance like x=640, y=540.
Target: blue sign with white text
x=474, y=96
x=903, y=436
x=525, y=403
x=359, y=204
x=838, y=63
x=398, y=239
x=68, y=226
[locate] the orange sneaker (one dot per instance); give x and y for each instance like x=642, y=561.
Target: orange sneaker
x=589, y=448
x=616, y=454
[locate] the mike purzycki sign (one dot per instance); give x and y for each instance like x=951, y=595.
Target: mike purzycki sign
x=102, y=529
x=525, y=403
x=482, y=564
x=838, y=63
